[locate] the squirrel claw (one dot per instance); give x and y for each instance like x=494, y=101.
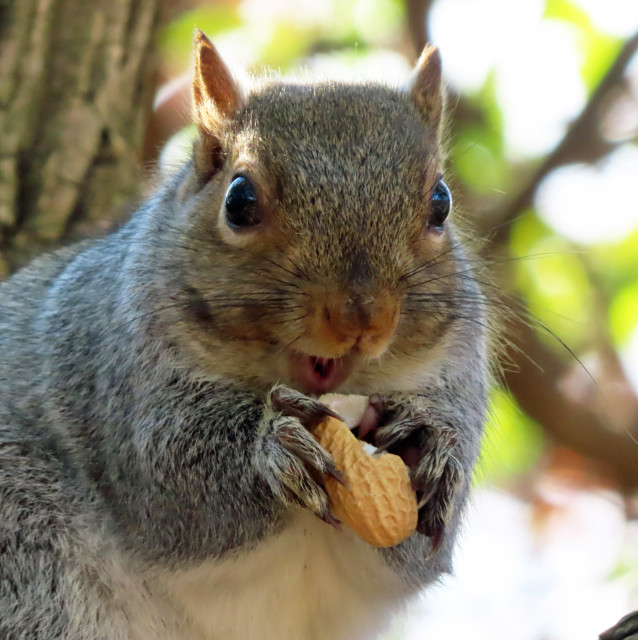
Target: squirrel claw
x=436, y=539
x=426, y=443
x=328, y=518
x=423, y=497
x=333, y=472
x=308, y=411
x=296, y=465
x=293, y=403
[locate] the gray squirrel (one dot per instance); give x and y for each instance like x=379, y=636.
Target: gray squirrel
x=158, y=479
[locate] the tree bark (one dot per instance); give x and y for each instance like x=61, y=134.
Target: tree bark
x=76, y=84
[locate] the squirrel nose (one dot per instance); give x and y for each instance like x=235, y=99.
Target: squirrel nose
x=367, y=322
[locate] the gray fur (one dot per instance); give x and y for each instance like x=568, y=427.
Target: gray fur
x=137, y=435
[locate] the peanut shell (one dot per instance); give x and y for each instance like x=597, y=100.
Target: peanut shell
x=379, y=505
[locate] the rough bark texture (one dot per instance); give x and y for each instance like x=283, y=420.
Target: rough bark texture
x=75, y=91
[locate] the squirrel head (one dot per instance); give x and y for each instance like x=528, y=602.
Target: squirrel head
x=316, y=248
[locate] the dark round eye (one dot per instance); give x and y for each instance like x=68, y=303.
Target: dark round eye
x=440, y=205
x=241, y=204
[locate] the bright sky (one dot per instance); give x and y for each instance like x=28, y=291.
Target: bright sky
x=519, y=576
x=593, y=203
x=535, y=61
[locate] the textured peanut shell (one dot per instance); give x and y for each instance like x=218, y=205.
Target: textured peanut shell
x=379, y=505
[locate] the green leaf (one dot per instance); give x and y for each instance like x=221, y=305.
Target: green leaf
x=526, y=232
x=623, y=313
x=617, y=264
x=598, y=48
x=286, y=44
x=553, y=280
x=513, y=442
x=176, y=39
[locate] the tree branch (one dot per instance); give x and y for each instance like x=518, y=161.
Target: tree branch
x=571, y=409
x=417, y=15
x=584, y=425
x=582, y=422
x=582, y=142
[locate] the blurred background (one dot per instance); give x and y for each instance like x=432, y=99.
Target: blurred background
x=543, y=159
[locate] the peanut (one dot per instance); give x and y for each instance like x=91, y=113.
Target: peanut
x=379, y=504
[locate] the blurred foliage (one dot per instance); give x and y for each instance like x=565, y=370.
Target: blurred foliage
x=280, y=34
x=478, y=151
x=552, y=278
x=623, y=312
x=553, y=274
x=513, y=443
x=177, y=37
x=598, y=48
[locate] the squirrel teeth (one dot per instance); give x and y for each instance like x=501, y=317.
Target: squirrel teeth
x=317, y=375
x=323, y=366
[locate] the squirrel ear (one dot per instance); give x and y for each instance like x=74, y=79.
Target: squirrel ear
x=425, y=87
x=215, y=95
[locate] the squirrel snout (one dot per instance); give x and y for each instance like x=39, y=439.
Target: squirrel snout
x=365, y=322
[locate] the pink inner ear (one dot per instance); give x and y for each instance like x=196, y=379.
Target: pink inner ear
x=429, y=69
x=212, y=80
x=426, y=88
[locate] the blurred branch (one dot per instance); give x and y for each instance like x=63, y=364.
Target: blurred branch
x=578, y=423
x=571, y=409
x=417, y=15
x=625, y=629
x=582, y=142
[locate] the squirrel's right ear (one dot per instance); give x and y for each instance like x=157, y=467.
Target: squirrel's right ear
x=216, y=96
x=426, y=88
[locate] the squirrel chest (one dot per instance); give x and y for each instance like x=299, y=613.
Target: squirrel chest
x=309, y=581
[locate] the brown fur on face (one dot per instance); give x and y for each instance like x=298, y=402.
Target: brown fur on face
x=344, y=176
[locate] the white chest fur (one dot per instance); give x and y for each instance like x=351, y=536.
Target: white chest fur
x=311, y=582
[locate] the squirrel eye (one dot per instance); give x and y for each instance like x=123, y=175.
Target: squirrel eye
x=241, y=204
x=440, y=205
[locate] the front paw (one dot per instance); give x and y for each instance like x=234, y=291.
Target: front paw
x=427, y=445
x=289, y=458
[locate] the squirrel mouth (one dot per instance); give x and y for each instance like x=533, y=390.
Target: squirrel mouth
x=317, y=375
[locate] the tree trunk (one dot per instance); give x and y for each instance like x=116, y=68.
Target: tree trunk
x=76, y=83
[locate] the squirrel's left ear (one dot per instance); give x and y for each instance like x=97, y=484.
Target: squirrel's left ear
x=216, y=96
x=426, y=89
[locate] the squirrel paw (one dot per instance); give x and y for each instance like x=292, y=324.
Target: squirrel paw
x=426, y=444
x=293, y=462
